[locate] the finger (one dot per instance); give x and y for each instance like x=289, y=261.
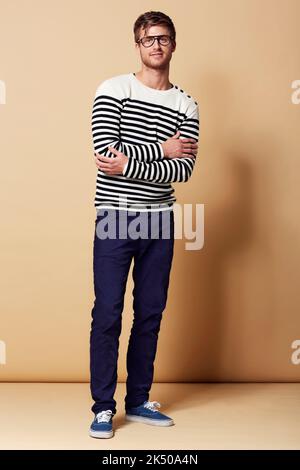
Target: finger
x=190, y=147
x=98, y=155
x=101, y=168
x=109, y=164
x=189, y=155
x=103, y=158
x=113, y=150
x=188, y=140
x=105, y=166
x=98, y=162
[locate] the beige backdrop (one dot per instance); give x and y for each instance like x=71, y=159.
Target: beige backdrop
x=233, y=307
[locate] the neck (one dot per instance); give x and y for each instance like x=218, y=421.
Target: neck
x=158, y=79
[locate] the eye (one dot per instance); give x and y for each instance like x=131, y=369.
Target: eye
x=164, y=40
x=147, y=40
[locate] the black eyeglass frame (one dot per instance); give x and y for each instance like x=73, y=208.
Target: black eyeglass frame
x=171, y=38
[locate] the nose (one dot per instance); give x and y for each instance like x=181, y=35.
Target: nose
x=156, y=43
x=156, y=47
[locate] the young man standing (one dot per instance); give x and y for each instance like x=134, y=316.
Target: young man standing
x=145, y=133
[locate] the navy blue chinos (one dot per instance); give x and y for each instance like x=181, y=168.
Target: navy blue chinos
x=152, y=253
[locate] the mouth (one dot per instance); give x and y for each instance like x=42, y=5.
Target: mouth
x=158, y=54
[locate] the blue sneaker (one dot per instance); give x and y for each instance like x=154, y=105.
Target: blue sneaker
x=148, y=414
x=102, y=425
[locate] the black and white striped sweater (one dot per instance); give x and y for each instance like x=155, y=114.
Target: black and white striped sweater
x=135, y=119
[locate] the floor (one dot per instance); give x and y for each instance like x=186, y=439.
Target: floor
x=206, y=415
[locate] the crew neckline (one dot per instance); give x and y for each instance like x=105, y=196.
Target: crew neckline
x=132, y=75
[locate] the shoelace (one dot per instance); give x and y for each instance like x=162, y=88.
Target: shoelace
x=104, y=416
x=151, y=405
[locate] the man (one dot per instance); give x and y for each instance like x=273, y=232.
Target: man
x=145, y=134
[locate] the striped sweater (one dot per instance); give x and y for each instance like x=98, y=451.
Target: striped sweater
x=135, y=119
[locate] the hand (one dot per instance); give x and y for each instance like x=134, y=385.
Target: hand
x=110, y=165
x=177, y=148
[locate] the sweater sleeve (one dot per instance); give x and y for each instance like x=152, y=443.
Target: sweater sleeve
x=106, y=117
x=168, y=170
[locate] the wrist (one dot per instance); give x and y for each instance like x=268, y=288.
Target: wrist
x=163, y=144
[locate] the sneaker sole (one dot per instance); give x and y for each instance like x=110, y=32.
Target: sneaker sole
x=154, y=422
x=101, y=434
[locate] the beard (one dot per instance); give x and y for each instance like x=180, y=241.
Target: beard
x=159, y=63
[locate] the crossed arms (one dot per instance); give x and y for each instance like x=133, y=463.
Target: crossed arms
x=141, y=161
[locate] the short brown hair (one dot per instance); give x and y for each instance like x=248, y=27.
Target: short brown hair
x=153, y=18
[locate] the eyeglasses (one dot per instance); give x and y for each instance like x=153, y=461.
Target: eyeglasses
x=148, y=41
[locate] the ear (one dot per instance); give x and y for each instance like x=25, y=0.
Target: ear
x=174, y=46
